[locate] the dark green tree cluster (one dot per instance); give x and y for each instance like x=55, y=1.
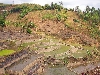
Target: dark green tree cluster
x=92, y=17
x=24, y=11
x=37, y=7
x=2, y=21
x=16, y=9
x=25, y=8
x=27, y=26
x=56, y=16
x=53, y=6
x=2, y=18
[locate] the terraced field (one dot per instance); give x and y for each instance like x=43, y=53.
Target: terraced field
x=59, y=49
x=52, y=46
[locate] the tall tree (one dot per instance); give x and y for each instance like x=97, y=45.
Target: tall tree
x=52, y=5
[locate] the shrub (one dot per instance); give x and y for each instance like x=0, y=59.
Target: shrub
x=65, y=60
x=2, y=20
x=29, y=31
x=31, y=25
x=58, y=16
x=68, y=26
x=75, y=20
x=48, y=16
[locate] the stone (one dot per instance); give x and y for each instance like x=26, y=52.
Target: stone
x=2, y=71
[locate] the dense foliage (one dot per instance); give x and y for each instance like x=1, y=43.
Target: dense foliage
x=53, y=6
x=2, y=18
x=92, y=17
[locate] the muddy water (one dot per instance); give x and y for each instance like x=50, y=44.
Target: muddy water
x=58, y=70
x=20, y=65
x=85, y=68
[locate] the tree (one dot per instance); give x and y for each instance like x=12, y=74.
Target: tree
x=52, y=6
x=47, y=6
x=2, y=21
x=76, y=8
x=61, y=3
x=17, y=9
x=87, y=9
x=2, y=18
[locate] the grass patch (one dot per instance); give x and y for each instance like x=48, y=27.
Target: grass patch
x=62, y=56
x=62, y=49
x=6, y=52
x=88, y=48
x=26, y=44
x=78, y=55
x=82, y=53
x=75, y=44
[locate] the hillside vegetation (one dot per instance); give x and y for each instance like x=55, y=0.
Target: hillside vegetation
x=62, y=36
x=70, y=25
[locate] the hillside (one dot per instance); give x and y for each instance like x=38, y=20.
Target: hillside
x=73, y=32
x=70, y=36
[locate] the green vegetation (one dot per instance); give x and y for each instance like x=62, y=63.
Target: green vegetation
x=79, y=55
x=62, y=49
x=26, y=44
x=29, y=31
x=2, y=19
x=65, y=60
x=92, y=17
x=83, y=25
x=48, y=16
x=75, y=20
x=55, y=16
x=53, y=6
x=76, y=44
x=82, y=53
x=6, y=52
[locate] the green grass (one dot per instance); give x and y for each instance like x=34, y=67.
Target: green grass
x=88, y=48
x=62, y=49
x=6, y=52
x=78, y=55
x=26, y=44
x=75, y=44
x=83, y=53
x=61, y=57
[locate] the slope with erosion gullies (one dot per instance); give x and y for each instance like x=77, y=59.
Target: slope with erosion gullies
x=12, y=17
x=69, y=30
x=46, y=21
x=12, y=22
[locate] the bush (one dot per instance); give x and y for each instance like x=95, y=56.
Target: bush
x=29, y=31
x=75, y=20
x=31, y=25
x=17, y=9
x=2, y=23
x=68, y=26
x=58, y=16
x=65, y=60
x=2, y=20
x=48, y=16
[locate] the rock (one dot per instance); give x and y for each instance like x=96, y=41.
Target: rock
x=2, y=71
